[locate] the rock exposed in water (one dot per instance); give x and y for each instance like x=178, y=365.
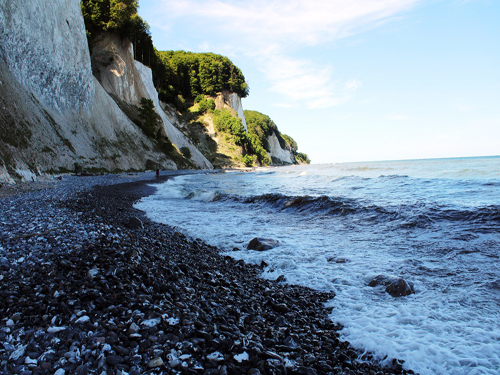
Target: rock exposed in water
x=262, y=244
x=395, y=286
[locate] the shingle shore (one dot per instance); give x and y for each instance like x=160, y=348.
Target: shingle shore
x=86, y=288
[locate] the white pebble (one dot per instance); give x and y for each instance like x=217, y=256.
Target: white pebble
x=83, y=319
x=55, y=329
x=30, y=362
x=151, y=322
x=215, y=356
x=17, y=353
x=93, y=273
x=241, y=357
x=173, y=321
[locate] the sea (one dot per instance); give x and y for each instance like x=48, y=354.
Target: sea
x=433, y=222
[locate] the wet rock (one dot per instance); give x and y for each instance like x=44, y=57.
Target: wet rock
x=82, y=370
x=262, y=244
x=281, y=308
x=395, y=286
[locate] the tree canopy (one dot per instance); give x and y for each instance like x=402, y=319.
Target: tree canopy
x=191, y=74
x=120, y=16
x=110, y=15
x=260, y=127
x=175, y=73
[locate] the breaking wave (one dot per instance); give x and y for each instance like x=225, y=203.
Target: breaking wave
x=409, y=215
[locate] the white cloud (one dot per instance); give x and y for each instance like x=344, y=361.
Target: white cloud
x=269, y=31
x=352, y=85
x=306, y=22
x=301, y=80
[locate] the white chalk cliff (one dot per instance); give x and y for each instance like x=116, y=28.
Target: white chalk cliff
x=129, y=81
x=59, y=106
x=54, y=112
x=277, y=152
x=231, y=101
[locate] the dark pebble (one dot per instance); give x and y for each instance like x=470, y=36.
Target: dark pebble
x=144, y=291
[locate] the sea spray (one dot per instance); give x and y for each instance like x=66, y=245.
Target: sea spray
x=433, y=222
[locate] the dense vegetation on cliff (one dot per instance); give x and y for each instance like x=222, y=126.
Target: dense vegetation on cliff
x=177, y=75
x=233, y=129
x=262, y=127
x=187, y=80
x=191, y=74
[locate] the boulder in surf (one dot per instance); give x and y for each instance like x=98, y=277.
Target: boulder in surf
x=262, y=244
x=395, y=286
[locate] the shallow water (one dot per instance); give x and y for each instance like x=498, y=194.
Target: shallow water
x=435, y=223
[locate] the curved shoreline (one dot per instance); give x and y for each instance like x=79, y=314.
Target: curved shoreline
x=106, y=291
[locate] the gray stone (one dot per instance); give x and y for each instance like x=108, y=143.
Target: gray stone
x=262, y=244
x=155, y=362
x=135, y=223
x=395, y=286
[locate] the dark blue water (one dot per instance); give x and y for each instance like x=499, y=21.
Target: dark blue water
x=435, y=223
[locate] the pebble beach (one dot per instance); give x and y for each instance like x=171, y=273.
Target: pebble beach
x=89, y=285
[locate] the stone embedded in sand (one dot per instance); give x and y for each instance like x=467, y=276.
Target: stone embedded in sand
x=17, y=353
x=395, y=286
x=155, y=362
x=135, y=223
x=151, y=322
x=262, y=244
x=242, y=357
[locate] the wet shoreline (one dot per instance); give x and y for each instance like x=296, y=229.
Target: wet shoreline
x=102, y=288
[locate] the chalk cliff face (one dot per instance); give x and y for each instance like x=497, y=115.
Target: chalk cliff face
x=54, y=112
x=276, y=151
x=232, y=101
x=128, y=80
x=43, y=44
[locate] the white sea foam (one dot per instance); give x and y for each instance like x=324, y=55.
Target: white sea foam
x=450, y=325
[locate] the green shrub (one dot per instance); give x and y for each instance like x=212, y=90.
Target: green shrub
x=225, y=122
x=248, y=160
x=302, y=158
x=149, y=118
x=186, y=152
x=206, y=105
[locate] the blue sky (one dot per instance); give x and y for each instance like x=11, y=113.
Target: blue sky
x=356, y=80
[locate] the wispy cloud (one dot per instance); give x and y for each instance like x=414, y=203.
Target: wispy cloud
x=397, y=117
x=306, y=22
x=272, y=32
